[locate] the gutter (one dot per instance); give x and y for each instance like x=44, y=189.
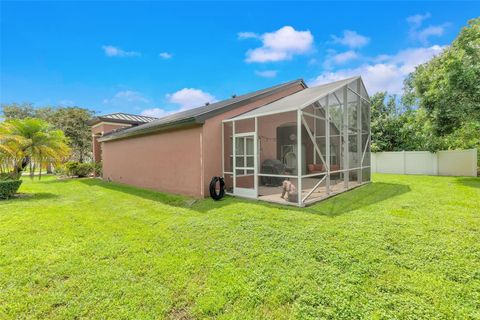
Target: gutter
x=144, y=131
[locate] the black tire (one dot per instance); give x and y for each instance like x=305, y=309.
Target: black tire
x=213, y=188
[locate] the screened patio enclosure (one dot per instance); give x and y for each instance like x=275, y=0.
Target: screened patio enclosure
x=302, y=148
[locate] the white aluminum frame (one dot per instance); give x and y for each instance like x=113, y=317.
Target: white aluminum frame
x=344, y=134
x=245, y=192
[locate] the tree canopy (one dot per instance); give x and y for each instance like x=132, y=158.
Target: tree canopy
x=24, y=140
x=440, y=107
x=73, y=121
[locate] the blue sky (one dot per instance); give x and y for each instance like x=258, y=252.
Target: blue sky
x=156, y=58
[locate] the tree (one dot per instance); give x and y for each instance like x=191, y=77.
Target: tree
x=448, y=86
x=18, y=111
x=385, y=124
x=31, y=141
x=395, y=127
x=73, y=121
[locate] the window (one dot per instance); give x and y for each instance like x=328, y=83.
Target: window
x=245, y=156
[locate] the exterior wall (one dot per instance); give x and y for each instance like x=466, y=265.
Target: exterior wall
x=99, y=130
x=212, y=135
x=442, y=163
x=166, y=161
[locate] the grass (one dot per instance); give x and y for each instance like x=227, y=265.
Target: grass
x=402, y=247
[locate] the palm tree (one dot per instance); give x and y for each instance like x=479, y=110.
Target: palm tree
x=31, y=141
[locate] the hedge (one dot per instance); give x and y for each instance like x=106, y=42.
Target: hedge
x=79, y=169
x=8, y=188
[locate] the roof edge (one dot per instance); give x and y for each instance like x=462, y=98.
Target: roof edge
x=198, y=119
x=119, y=135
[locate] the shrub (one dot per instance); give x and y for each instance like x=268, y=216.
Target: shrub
x=79, y=169
x=97, y=168
x=8, y=188
x=9, y=176
x=5, y=176
x=60, y=170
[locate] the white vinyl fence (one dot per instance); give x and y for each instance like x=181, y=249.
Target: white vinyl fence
x=441, y=163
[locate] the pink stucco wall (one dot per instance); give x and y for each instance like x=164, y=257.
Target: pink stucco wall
x=99, y=130
x=167, y=161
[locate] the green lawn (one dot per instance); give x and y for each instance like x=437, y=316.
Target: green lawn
x=403, y=247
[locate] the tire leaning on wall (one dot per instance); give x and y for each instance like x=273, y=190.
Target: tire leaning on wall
x=213, y=188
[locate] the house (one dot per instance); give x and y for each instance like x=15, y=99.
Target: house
x=113, y=122
x=252, y=141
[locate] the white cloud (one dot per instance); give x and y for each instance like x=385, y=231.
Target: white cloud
x=155, y=112
x=422, y=35
x=111, y=51
x=127, y=99
x=351, y=39
x=280, y=45
x=267, y=73
x=248, y=35
x=165, y=55
x=416, y=20
x=339, y=58
x=188, y=98
x=386, y=72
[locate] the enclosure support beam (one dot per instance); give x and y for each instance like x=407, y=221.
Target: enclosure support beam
x=359, y=133
x=299, y=157
x=345, y=137
x=365, y=150
x=327, y=144
x=313, y=189
x=317, y=149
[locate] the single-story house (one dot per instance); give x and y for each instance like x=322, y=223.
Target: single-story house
x=251, y=140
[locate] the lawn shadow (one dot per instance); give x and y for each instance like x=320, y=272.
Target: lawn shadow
x=22, y=197
x=339, y=204
x=181, y=201
x=472, y=182
x=358, y=198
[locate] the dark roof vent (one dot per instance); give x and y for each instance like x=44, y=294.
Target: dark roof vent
x=207, y=103
x=234, y=96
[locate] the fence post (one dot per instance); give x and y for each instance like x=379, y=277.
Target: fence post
x=404, y=162
x=435, y=163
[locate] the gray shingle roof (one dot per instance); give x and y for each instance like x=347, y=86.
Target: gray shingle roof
x=200, y=114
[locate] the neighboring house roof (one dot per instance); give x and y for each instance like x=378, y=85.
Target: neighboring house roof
x=200, y=114
x=121, y=117
x=298, y=100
